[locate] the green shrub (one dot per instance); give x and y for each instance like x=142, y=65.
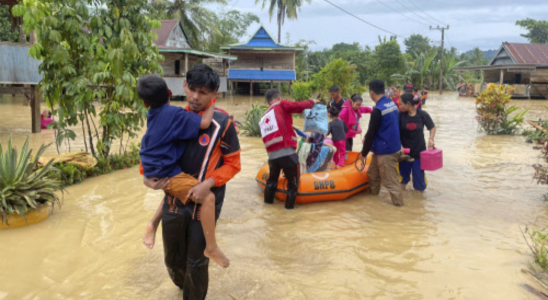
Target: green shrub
x=537, y=240
x=493, y=113
x=252, y=119
x=300, y=90
x=22, y=185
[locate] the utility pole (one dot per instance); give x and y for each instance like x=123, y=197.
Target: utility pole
x=442, y=29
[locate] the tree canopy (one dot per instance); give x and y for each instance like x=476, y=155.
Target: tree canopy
x=537, y=30
x=416, y=44
x=7, y=33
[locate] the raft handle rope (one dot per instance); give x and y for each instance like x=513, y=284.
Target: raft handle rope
x=359, y=164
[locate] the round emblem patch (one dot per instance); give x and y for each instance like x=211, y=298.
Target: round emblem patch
x=204, y=140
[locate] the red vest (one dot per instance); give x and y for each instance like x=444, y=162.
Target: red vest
x=277, y=128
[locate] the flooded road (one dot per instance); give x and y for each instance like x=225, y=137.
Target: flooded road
x=459, y=239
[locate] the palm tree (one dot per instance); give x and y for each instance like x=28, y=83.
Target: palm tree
x=198, y=22
x=285, y=8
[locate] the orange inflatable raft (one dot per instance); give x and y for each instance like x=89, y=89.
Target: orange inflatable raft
x=332, y=185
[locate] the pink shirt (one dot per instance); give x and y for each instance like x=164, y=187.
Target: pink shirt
x=45, y=122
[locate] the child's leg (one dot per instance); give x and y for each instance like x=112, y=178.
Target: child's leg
x=341, y=150
x=207, y=217
x=152, y=226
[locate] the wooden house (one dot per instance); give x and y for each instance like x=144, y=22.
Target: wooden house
x=523, y=66
x=260, y=60
x=179, y=55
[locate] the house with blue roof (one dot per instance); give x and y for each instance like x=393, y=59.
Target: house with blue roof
x=260, y=60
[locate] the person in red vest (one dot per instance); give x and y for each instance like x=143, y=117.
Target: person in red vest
x=280, y=142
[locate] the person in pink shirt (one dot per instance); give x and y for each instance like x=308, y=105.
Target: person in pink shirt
x=45, y=119
x=351, y=114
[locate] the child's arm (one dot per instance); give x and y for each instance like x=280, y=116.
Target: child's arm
x=207, y=117
x=365, y=110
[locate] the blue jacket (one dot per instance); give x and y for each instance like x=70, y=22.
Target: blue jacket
x=168, y=127
x=387, y=140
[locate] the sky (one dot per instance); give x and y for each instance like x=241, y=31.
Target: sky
x=472, y=23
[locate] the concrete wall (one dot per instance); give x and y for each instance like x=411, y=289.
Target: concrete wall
x=16, y=67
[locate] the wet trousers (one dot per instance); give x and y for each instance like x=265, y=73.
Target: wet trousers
x=383, y=168
x=184, y=246
x=338, y=158
x=419, y=180
x=290, y=166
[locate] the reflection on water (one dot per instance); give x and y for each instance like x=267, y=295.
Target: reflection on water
x=458, y=240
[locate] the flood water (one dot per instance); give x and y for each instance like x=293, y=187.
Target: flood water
x=460, y=239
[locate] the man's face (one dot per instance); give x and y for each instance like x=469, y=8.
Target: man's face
x=198, y=98
x=335, y=95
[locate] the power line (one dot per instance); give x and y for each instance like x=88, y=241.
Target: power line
x=235, y=3
x=364, y=21
x=409, y=9
x=401, y=13
x=427, y=14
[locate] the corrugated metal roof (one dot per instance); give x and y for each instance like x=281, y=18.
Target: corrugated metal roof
x=237, y=74
x=261, y=40
x=165, y=32
x=528, y=53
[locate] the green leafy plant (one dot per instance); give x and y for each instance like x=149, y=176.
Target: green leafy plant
x=512, y=125
x=22, y=185
x=300, y=90
x=493, y=113
x=537, y=240
x=93, y=50
x=338, y=72
x=252, y=119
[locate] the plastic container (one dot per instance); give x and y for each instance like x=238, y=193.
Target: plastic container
x=431, y=159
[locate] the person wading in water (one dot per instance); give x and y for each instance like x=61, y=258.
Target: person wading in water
x=383, y=139
x=213, y=159
x=280, y=142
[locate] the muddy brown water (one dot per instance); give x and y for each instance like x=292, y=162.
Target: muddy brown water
x=458, y=240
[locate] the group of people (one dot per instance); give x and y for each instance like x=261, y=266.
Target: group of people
x=419, y=98
x=192, y=153
x=393, y=127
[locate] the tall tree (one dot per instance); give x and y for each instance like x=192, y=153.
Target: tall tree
x=232, y=26
x=99, y=62
x=416, y=44
x=537, y=30
x=199, y=22
x=284, y=8
x=7, y=33
x=388, y=59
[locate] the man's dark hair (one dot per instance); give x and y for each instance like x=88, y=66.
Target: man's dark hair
x=377, y=87
x=407, y=98
x=334, y=112
x=152, y=89
x=272, y=94
x=334, y=89
x=415, y=90
x=203, y=76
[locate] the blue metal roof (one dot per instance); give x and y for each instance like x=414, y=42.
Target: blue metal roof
x=284, y=75
x=261, y=39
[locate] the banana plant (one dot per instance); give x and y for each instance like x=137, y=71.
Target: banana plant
x=24, y=186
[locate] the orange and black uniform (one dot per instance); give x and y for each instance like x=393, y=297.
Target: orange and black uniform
x=215, y=154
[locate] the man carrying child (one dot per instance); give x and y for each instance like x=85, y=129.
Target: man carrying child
x=213, y=158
